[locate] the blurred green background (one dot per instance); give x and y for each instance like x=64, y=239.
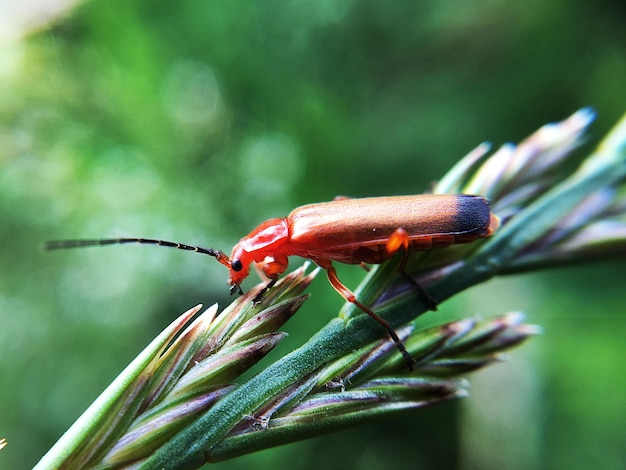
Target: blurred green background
x=196, y=120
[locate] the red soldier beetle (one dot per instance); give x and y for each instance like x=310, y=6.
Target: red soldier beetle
x=351, y=231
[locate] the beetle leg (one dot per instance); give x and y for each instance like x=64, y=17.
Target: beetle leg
x=349, y=296
x=236, y=289
x=268, y=286
x=271, y=267
x=399, y=240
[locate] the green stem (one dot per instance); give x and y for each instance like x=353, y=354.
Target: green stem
x=191, y=447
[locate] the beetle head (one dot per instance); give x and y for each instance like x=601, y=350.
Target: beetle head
x=239, y=268
x=263, y=242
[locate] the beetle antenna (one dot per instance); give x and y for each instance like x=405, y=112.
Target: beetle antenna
x=62, y=244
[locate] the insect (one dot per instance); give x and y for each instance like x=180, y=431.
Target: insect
x=352, y=231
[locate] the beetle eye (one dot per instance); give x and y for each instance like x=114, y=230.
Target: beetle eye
x=236, y=265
